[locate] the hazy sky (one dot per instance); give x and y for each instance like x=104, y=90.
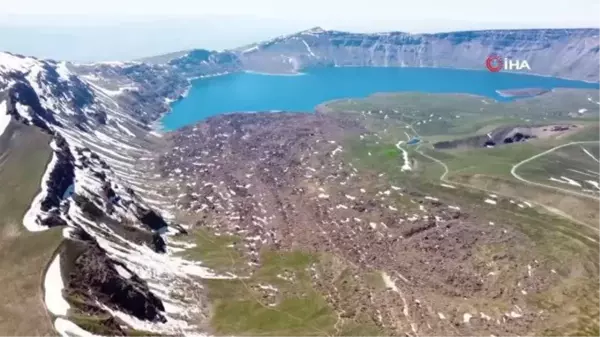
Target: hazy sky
x=125, y=29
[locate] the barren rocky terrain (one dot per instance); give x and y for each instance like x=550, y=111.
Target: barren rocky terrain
x=291, y=182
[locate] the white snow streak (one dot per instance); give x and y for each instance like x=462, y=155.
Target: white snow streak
x=126, y=130
x=4, y=117
x=53, y=287
x=249, y=50
x=110, y=93
x=30, y=218
x=490, y=201
x=308, y=49
x=570, y=181
x=586, y=152
x=63, y=71
x=123, y=272
x=172, y=326
x=406, y=165
x=594, y=183
x=390, y=284
x=11, y=62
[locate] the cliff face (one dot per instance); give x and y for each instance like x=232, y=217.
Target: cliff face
x=569, y=53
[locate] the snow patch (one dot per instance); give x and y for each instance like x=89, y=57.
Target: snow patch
x=4, y=117
x=53, y=288
x=590, y=154
x=406, y=165
x=570, y=181
x=591, y=100
x=123, y=272
x=172, y=326
x=30, y=220
x=490, y=201
x=126, y=130
x=12, y=62
x=594, y=183
x=63, y=71
x=308, y=48
x=388, y=282
x=249, y=50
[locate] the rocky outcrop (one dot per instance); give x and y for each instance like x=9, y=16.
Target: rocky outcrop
x=201, y=62
x=151, y=219
x=62, y=175
x=94, y=277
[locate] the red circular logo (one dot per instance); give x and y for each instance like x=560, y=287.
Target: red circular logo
x=494, y=63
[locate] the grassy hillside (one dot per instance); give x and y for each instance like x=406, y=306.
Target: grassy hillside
x=24, y=154
x=563, y=225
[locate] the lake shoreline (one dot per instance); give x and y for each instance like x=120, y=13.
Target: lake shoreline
x=248, y=91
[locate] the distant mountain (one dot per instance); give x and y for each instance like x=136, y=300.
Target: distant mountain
x=566, y=53
x=569, y=53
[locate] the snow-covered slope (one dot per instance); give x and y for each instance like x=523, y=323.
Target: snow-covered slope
x=117, y=258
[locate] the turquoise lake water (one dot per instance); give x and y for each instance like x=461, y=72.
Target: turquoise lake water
x=242, y=92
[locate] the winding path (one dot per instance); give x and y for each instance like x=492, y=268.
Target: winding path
x=513, y=171
x=552, y=210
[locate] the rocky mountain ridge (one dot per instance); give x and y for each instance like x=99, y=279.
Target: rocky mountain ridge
x=115, y=254
x=569, y=53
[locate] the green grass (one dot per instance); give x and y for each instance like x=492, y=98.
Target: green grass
x=571, y=162
x=238, y=305
x=591, y=131
x=298, y=308
x=239, y=308
x=24, y=154
x=101, y=325
x=308, y=316
x=360, y=329
x=561, y=245
x=94, y=324
x=475, y=116
x=216, y=252
x=492, y=161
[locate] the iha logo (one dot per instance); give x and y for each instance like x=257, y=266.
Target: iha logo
x=495, y=63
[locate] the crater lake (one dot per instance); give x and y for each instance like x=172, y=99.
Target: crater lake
x=245, y=91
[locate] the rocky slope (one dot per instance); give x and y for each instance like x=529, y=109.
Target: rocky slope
x=295, y=182
x=116, y=261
